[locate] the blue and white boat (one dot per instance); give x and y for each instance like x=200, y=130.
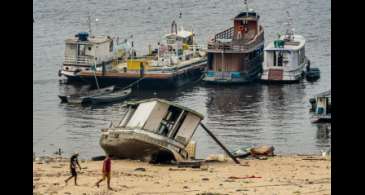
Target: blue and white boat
x=321, y=107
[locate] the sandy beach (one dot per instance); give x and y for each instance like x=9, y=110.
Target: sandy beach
x=296, y=174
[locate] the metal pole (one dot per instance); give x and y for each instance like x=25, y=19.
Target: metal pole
x=97, y=84
x=219, y=143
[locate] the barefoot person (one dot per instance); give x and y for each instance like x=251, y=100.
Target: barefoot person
x=73, y=162
x=106, y=171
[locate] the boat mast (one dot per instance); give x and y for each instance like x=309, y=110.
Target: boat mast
x=89, y=23
x=94, y=70
x=290, y=30
x=246, y=4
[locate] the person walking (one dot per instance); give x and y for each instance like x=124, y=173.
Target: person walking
x=106, y=171
x=73, y=162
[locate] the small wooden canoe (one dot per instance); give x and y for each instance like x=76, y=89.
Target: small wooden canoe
x=110, y=97
x=84, y=98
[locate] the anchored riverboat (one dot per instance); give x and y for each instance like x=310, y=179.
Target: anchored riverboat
x=177, y=61
x=236, y=54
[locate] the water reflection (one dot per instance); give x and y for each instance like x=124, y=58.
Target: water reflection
x=323, y=134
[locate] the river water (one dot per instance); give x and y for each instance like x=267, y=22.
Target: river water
x=240, y=116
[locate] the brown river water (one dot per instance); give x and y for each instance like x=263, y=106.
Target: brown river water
x=240, y=116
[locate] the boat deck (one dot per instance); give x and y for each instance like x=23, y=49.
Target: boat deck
x=152, y=74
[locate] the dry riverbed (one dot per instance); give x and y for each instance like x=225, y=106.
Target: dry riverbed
x=276, y=175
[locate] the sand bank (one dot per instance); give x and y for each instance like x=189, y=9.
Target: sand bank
x=276, y=175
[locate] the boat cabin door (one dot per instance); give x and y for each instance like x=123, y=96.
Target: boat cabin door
x=81, y=50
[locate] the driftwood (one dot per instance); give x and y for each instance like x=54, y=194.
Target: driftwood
x=171, y=192
x=314, y=159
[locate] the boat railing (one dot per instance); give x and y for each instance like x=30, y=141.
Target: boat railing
x=197, y=47
x=226, y=34
x=236, y=46
x=79, y=60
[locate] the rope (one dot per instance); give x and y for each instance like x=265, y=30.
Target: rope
x=135, y=82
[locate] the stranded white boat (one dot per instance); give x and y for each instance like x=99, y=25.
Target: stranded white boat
x=152, y=130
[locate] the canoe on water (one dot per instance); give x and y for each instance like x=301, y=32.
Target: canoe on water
x=110, y=97
x=84, y=98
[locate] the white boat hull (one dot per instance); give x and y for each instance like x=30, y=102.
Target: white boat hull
x=140, y=145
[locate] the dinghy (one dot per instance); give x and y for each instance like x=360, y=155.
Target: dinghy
x=110, y=97
x=84, y=98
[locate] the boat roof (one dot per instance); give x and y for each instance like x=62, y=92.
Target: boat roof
x=295, y=44
x=90, y=39
x=181, y=33
x=166, y=102
x=247, y=15
x=323, y=94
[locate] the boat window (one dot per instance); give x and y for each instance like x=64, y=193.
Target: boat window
x=169, y=120
x=128, y=115
x=178, y=124
x=81, y=51
x=187, y=129
x=280, y=59
x=274, y=58
x=301, y=55
x=141, y=114
x=111, y=46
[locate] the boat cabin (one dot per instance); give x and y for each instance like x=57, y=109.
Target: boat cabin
x=83, y=50
x=245, y=25
x=285, y=52
x=163, y=118
x=175, y=35
x=322, y=103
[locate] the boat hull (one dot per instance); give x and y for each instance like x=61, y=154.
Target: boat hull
x=321, y=119
x=251, y=73
x=106, y=99
x=151, y=81
x=132, y=149
x=139, y=145
x=297, y=79
x=250, y=77
x=283, y=75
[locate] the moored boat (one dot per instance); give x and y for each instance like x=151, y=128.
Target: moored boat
x=321, y=107
x=177, y=61
x=284, y=59
x=236, y=54
x=152, y=129
x=86, y=50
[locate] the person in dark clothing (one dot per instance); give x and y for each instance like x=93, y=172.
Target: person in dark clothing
x=73, y=162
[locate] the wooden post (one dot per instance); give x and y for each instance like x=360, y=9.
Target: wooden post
x=219, y=143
